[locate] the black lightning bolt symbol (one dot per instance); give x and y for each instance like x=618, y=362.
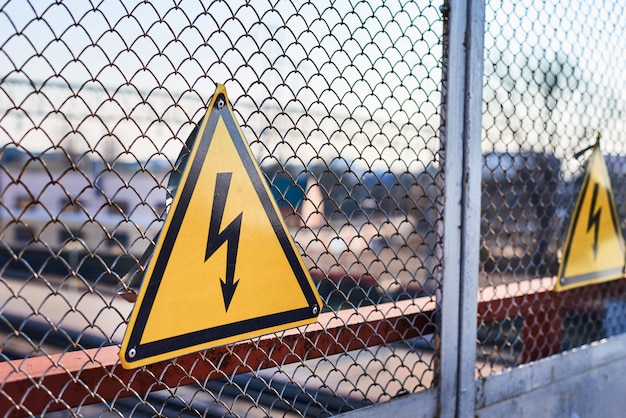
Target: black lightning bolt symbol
x=230, y=234
x=594, y=219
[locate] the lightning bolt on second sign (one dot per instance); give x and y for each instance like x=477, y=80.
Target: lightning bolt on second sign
x=594, y=219
x=230, y=235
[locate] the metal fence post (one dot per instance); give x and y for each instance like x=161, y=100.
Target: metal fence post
x=463, y=72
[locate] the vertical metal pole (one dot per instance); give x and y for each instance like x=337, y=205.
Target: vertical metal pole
x=472, y=165
x=463, y=73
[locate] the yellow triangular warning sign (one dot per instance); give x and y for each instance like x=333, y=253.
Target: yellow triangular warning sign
x=594, y=246
x=225, y=267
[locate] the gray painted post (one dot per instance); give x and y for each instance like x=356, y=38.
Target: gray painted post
x=463, y=74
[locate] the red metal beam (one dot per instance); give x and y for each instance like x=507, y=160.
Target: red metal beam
x=542, y=309
x=49, y=383
x=532, y=296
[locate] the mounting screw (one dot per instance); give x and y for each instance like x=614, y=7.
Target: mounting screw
x=315, y=309
x=132, y=353
x=220, y=102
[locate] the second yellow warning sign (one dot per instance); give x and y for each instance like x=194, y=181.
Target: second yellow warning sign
x=594, y=246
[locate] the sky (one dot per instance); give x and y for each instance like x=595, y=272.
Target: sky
x=309, y=81
x=580, y=41
x=353, y=80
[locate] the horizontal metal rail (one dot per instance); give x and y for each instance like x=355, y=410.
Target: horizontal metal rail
x=542, y=310
x=71, y=379
x=50, y=383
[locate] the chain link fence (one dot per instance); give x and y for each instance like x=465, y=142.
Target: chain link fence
x=552, y=83
x=340, y=103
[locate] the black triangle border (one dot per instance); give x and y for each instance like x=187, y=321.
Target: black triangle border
x=158, y=348
x=602, y=275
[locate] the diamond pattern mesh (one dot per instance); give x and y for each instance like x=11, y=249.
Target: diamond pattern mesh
x=340, y=103
x=552, y=83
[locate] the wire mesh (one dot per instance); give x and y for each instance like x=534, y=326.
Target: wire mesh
x=340, y=104
x=552, y=83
